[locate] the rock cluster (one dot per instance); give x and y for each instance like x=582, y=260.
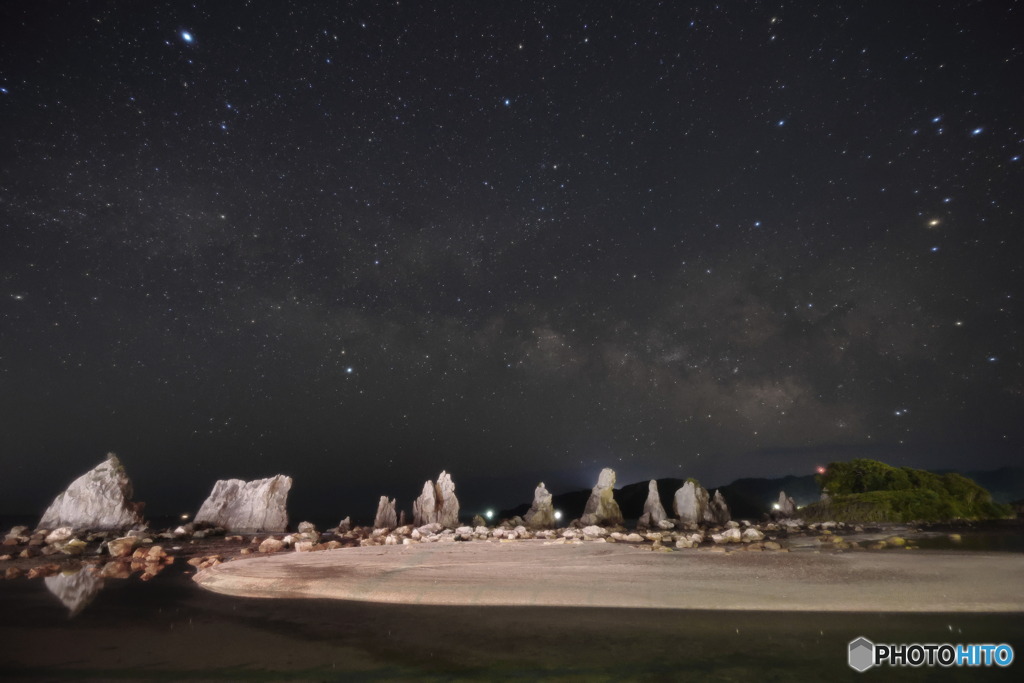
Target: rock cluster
x=437, y=504
x=601, y=507
x=541, y=514
x=99, y=499
x=248, y=507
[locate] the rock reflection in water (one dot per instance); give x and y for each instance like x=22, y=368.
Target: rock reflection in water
x=75, y=589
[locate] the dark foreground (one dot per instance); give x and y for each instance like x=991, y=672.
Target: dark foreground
x=170, y=629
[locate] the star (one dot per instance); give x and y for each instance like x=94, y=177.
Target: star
x=187, y=37
x=976, y=132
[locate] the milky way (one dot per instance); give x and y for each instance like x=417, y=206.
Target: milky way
x=361, y=244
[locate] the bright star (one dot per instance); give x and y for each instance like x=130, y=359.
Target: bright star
x=4, y=90
x=933, y=222
x=976, y=131
x=781, y=122
x=936, y=119
x=186, y=36
x=349, y=370
x=508, y=102
x=992, y=359
x=934, y=249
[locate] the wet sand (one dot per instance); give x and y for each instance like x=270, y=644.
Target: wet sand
x=531, y=573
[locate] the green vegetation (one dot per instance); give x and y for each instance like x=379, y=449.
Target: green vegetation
x=870, y=491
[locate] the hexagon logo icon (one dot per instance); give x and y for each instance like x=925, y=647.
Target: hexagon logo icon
x=862, y=654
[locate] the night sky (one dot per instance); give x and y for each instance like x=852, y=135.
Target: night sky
x=361, y=243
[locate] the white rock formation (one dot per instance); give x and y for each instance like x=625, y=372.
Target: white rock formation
x=542, y=512
x=437, y=504
x=786, y=507
x=601, y=507
x=690, y=503
x=386, y=517
x=654, y=511
x=248, y=506
x=717, y=512
x=100, y=499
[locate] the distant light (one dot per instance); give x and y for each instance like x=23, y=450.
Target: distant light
x=349, y=370
x=1015, y=158
x=781, y=123
x=185, y=515
x=936, y=119
x=933, y=222
x=507, y=102
x=558, y=514
x=934, y=249
x=775, y=506
x=187, y=37
x=4, y=90
x=993, y=359
x=976, y=131
x=820, y=469
x=489, y=514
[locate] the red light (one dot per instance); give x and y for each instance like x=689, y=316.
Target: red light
x=820, y=469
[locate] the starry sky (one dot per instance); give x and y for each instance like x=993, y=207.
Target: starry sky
x=359, y=243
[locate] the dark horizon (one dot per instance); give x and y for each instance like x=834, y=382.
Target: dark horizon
x=517, y=242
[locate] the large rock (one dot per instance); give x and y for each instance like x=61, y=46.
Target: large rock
x=690, y=502
x=100, y=499
x=601, y=508
x=437, y=504
x=542, y=512
x=386, y=517
x=654, y=511
x=786, y=507
x=76, y=590
x=717, y=512
x=248, y=506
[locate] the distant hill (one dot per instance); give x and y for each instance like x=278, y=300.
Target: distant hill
x=753, y=497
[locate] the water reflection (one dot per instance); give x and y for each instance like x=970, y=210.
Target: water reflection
x=75, y=589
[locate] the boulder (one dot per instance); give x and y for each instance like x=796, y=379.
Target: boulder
x=786, y=507
x=345, y=525
x=437, y=504
x=601, y=508
x=271, y=545
x=654, y=511
x=247, y=506
x=542, y=512
x=386, y=517
x=717, y=512
x=752, y=534
x=122, y=547
x=75, y=590
x=690, y=502
x=99, y=499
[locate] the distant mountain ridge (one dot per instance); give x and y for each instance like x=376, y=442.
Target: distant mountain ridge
x=752, y=497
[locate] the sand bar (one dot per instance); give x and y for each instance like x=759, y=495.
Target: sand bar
x=531, y=573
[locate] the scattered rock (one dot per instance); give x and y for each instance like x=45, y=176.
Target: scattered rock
x=99, y=499
x=542, y=512
x=13, y=573
x=601, y=508
x=60, y=535
x=251, y=507
x=751, y=534
x=43, y=570
x=271, y=545
x=728, y=536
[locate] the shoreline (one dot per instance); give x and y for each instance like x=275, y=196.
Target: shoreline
x=537, y=574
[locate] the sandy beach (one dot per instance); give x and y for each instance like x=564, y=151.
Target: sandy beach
x=532, y=573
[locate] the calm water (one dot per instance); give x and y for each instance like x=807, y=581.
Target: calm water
x=169, y=629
